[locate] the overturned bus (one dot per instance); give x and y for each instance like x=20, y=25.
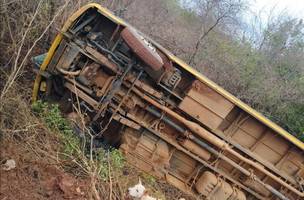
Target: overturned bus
x=168, y=119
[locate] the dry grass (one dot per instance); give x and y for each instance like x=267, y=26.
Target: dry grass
x=19, y=60
x=28, y=140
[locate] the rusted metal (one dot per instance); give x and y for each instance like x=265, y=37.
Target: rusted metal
x=78, y=85
x=69, y=73
x=142, y=48
x=121, y=102
x=67, y=58
x=194, y=127
x=56, y=56
x=168, y=120
x=82, y=95
x=196, y=149
x=126, y=122
x=102, y=59
x=243, y=170
x=215, y=188
x=180, y=148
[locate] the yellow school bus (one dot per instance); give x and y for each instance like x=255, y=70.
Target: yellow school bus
x=167, y=118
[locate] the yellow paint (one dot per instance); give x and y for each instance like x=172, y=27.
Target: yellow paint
x=199, y=76
x=45, y=64
x=43, y=86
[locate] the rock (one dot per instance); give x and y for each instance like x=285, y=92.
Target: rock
x=68, y=186
x=78, y=190
x=50, y=186
x=9, y=165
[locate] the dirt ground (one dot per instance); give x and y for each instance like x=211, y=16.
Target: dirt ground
x=35, y=178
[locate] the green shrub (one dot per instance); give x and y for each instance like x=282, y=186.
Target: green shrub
x=112, y=159
x=51, y=115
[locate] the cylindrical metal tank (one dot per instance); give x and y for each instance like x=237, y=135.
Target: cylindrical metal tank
x=214, y=188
